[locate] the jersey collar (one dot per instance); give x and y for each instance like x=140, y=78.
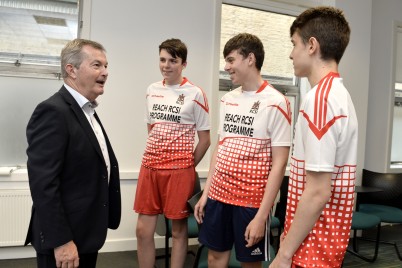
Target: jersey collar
x=262, y=86
x=185, y=80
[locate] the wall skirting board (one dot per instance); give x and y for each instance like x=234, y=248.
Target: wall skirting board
x=112, y=245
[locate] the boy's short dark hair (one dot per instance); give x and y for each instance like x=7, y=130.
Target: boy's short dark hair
x=245, y=44
x=175, y=47
x=328, y=25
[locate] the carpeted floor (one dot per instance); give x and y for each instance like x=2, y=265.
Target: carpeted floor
x=387, y=257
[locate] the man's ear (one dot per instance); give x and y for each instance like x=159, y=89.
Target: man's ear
x=184, y=65
x=70, y=71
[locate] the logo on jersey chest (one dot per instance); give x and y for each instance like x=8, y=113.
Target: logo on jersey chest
x=255, y=107
x=180, y=99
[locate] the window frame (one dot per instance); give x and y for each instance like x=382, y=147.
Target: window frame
x=36, y=66
x=284, y=7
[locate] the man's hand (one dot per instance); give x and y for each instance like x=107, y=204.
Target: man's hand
x=66, y=256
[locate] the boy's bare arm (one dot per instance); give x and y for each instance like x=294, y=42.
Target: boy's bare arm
x=256, y=228
x=316, y=194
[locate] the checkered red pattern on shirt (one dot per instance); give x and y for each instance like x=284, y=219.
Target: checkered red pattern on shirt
x=241, y=173
x=326, y=244
x=170, y=146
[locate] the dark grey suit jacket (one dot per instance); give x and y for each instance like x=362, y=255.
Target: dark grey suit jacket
x=72, y=199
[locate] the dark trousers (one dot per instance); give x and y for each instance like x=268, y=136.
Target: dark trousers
x=49, y=261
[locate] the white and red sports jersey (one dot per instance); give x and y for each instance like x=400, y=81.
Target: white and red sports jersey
x=175, y=112
x=250, y=124
x=325, y=141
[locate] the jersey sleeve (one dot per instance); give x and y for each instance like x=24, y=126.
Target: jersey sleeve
x=147, y=118
x=280, y=122
x=320, y=144
x=201, y=111
x=221, y=116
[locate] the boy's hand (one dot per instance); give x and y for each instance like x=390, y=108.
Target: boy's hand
x=255, y=231
x=199, y=208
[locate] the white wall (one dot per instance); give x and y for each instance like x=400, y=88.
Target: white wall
x=396, y=151
x=355, y=66
x=18, y=98
x=381, y=89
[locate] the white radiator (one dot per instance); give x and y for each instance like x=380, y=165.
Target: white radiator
x=15, y=211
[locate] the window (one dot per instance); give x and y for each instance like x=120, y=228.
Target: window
x=32, y=34
x=273, y=28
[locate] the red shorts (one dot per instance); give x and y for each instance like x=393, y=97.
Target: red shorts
x=164, y=191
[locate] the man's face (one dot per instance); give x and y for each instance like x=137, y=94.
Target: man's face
x=91, y=76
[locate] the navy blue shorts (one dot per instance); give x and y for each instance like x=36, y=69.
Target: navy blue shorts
x=224, y=225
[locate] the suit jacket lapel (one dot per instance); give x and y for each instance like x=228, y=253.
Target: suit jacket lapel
x=82, y=119
x=112, y=157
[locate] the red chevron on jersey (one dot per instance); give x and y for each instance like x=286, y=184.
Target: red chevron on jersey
x=205, y=107
x=320, y=132
x=287, y=113
x=320, y=125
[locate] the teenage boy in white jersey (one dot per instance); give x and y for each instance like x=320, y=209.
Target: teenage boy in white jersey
x=176, y=110
x=323, y=164
x=248, y=163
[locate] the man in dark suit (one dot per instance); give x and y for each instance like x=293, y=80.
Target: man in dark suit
x=73, y=172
